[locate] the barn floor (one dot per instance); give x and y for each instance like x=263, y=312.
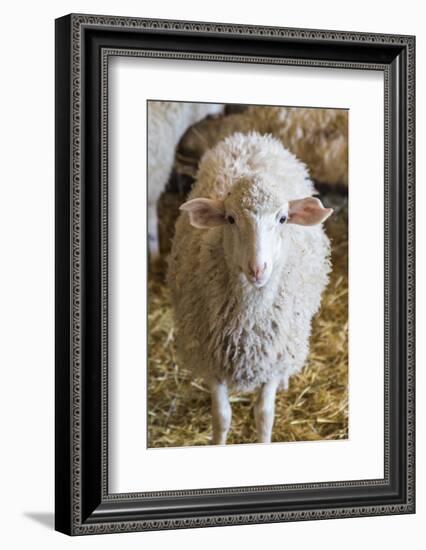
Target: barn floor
x=315, y=407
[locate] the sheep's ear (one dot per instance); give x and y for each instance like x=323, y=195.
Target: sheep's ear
x=204, y=213
x=308, y=211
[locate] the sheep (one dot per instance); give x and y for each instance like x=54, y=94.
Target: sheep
x=318, y=137
x=248, y=265
x=167, y=122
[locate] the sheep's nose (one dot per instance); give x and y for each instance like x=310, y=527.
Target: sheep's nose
x=256, y=270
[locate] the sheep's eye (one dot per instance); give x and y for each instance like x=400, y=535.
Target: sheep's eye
x=283, y=219
x=231, y=219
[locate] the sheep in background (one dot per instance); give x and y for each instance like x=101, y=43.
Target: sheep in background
x=249, y=262
x=318, y=137
x=167, y=122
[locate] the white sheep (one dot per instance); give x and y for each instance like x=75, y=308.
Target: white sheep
x=249, y=262
x=167, y=122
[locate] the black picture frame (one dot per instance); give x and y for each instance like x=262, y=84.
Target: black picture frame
x=83, y=45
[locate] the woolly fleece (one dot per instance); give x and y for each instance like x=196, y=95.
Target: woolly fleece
x=226, y=328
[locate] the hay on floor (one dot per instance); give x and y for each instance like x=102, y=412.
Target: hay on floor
x=315, y=406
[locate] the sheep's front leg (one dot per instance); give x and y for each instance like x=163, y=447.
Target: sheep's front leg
x=221, y=412
x=153, y=240
x=264, y=411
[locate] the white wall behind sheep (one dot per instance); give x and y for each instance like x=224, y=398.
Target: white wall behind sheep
x=26, y=227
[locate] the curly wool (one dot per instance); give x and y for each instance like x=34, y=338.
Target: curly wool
x=318, y=137
x=226, y=328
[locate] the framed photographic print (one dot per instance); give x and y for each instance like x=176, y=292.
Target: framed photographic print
x=234, y=274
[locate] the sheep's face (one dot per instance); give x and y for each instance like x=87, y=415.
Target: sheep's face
x=254, y=242
x=254, y=228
